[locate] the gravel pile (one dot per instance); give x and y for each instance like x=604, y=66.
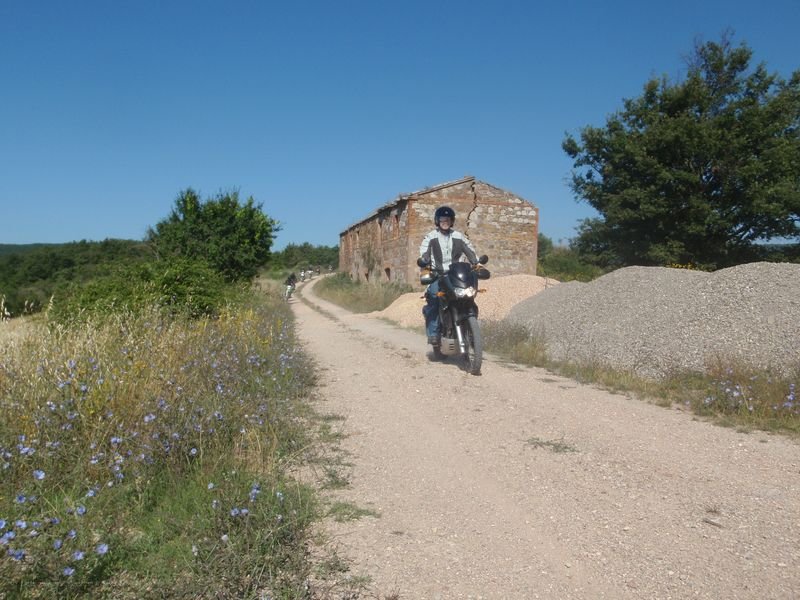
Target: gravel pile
x=501, y=293
x=653, y=320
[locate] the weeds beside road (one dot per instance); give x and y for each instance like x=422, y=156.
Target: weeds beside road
x=144, y=456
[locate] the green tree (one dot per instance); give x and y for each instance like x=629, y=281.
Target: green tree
x=699, y=171
x=31, y=276
x=233, y=238
x=544, y=246
x=305, y=254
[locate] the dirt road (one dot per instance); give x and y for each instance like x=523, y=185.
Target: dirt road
x=522, y=484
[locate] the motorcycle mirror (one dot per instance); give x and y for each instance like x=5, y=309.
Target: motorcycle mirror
x=483, y=273
x=483, y=259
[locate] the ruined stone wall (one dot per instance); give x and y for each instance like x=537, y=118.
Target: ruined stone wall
x=377, y=248
x=506, y=228
x=498, y=223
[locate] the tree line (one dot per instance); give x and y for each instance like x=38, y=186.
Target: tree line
x=187, y=262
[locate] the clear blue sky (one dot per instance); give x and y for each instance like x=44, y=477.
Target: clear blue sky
x=324, y=110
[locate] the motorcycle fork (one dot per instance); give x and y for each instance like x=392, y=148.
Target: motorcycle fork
x=462, y=347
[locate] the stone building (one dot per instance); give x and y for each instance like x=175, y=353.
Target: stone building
x=384, y=246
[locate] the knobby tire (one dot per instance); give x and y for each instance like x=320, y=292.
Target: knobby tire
x=474, y=345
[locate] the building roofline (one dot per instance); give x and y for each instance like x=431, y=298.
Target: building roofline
x=406, y=197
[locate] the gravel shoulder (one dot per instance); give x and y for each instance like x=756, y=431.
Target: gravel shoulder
x=523, y=484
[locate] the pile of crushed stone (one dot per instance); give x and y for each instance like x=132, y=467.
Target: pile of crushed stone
x=501, y=293
x=656, y=320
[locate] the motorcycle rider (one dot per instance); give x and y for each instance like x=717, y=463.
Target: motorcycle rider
x=440, y=247
x=290, y=283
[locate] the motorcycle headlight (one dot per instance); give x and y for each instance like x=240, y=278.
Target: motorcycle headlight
x=468, y=292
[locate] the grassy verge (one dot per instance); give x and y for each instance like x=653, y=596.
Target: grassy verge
x=359, y=297
x=731, y=393
x=148, y=457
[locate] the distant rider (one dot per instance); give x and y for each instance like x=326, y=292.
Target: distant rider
x=440, y=247
x=290, y=282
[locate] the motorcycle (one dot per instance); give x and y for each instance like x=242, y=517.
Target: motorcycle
x=287, y=293
x=458, y=313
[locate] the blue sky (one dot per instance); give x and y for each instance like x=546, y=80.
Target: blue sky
x=324, y=110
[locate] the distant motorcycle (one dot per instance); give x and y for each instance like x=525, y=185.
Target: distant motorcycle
x=458, y=312
x=287, y=293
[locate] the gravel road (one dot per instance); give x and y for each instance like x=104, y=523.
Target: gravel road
x=522, y=484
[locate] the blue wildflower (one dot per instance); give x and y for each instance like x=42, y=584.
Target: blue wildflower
x=57, y=544
x=81, y=510
x=101, y=549
x=68, y=571
x=149, y=417
x=77, y=555
x=38, y=474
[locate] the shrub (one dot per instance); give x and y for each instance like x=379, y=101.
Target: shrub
x=177, y=287
x=565, y=264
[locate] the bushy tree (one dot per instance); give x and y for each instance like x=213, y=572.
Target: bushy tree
x=234, y=238
x=699, y=171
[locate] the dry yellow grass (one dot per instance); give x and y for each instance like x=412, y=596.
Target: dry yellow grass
x=14, y=331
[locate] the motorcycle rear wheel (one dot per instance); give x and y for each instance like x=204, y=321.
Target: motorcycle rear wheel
x=473, y=342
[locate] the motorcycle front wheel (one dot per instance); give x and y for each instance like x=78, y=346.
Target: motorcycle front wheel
x=473, y=343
